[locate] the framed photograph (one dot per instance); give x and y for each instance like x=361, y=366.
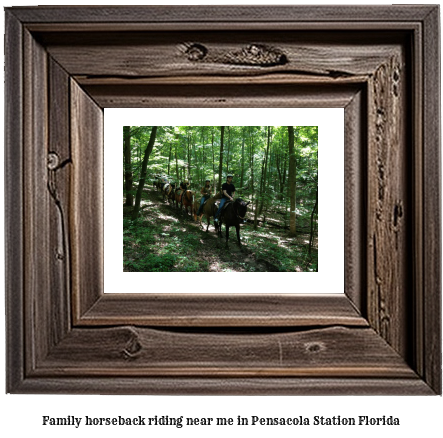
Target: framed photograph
x=377, y=333
x=170, y=244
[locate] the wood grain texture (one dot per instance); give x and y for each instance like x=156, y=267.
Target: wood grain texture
x=160, y=54
x=14, y=238
x=37, y=306
x=59, y=166
x=86, y=200
x=222, y=14
x=355, y=186
x=385, y=340
x=206, y=310
x=174, y=385
x=129, y=351
x=417, y=246
x=431, y=331
x=388, y=204
x=231, y=95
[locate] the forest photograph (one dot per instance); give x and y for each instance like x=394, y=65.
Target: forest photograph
x=220, y=198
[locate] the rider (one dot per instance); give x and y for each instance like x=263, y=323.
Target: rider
x=183, y=186
x=206, y=192
x=163, y=181
x=228, y=191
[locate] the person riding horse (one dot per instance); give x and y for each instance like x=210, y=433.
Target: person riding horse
x=167, y=189
x=184, y=185
x=206, y=192
x=228, y=190
x=209, y=208
x=162, y=180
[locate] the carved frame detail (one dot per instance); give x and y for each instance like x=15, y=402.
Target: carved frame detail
x=64, y=65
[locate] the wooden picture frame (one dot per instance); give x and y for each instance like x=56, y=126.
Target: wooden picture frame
x=65, y=64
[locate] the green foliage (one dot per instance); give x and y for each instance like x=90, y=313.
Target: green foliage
x=260, y=174
x=150, y=247
x=282, y=254
x=192, y=152
x=152, y=263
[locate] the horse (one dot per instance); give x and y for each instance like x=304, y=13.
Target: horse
x=167, y=188
x=233, y=214
x=209, y=209
x=178, y=197
x=155, y=180
x=171, y=195
x=188, y=201
x=161, y=181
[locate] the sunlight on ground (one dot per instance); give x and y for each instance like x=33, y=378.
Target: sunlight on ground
x=168, y=218
x=145, y=203
x=166, y=241
x=214, y=267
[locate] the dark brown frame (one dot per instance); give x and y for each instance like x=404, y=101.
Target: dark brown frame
x=64, y=65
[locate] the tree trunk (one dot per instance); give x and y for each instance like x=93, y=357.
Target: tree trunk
x=311, y=239
x=141, y=183
x=213, y=160
x=203, y=140
x=292, y=188
x=128, y=165
x=279, y=160
x=220, y=168
x=251, y=156
x=169, y=159
x=242, y=157
x=176, y=161
x=284, y=175
x=229, y=147
x=258, y=196
x=264, y=173
x=189, y=157
x=195, y=182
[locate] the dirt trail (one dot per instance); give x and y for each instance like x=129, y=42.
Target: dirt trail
x=212, y=249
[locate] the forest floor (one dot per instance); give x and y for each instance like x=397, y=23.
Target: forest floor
x=165, y=240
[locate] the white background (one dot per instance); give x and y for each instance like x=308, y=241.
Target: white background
x=21, y=414
x=329, y=279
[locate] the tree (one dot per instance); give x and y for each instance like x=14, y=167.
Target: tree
x=251, y=159
x=257, y=155
x=188, y=150
x=213, y=157
x=128, y=165
x=141, y=182
x=242, y=157
x=229, y=147
x=292, y=176
x=281, y=163
x=314, y=211
x=264, y=173
x=220, y=169
x=177, y=143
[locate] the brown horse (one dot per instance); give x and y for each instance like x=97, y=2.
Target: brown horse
x=209, y=209
x=178, y=197
x=188, y=201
